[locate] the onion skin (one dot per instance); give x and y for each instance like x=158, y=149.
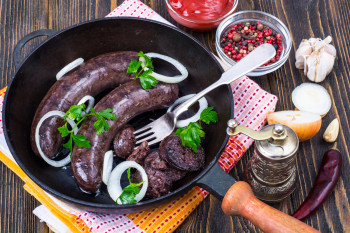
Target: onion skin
x=324, y=185
x=304, y=131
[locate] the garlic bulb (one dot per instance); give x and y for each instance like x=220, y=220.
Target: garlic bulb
x=316, y=57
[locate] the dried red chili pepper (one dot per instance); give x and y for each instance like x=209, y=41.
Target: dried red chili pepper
x=325, y=183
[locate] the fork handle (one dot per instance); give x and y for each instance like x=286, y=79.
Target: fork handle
x=253, y=60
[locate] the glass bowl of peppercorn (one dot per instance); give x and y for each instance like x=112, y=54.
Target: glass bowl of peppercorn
x=242, y=32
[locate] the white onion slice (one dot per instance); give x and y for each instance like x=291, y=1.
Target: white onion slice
x=163, y=78
x=311, y=97
x=69, y=67
x=115, y=189
x=203, y=104
x=53, y=163
x=107, y=166
x=90, y=105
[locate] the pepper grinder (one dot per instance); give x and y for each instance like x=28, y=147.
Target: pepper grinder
x=271, y=172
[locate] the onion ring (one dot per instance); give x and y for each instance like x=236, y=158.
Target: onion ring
x=90, y=105
x=107, y=166
x=163, y=78
x=114, y=188
x=69, y=67
x=53, y=163
x=203, y=104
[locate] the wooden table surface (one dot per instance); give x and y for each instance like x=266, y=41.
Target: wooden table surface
x=307, y=18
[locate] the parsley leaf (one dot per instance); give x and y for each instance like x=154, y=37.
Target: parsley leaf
x=80, y=140
x=142, y=70
x=191, y=134
x=148, y=60
x=147, y=81
x=129, y=192
x=101, y=124
x=134, y=66
x=64, y=130
x=108, y=114
x=74, y=113
x=208, y=115
x=127, y=198
x=69, y=144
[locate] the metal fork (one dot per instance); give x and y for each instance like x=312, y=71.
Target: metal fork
x=157, y=130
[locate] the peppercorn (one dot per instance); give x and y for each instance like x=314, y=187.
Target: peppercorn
x=260, y=27
x=244, y=43
x=250, y=47
x=236, y=37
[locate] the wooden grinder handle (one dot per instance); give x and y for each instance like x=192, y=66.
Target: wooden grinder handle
x=240, y=200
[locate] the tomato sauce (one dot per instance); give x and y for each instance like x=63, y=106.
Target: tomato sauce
x=200, y=10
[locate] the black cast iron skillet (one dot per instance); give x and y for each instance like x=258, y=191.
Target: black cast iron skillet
x=36, y=74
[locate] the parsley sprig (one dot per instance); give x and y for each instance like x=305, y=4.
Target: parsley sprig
x=191, y=135
x=129, y=192
x=143, y=72
x=75, y=113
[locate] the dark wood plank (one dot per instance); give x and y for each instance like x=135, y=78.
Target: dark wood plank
x=313, y=18
x=17, y=18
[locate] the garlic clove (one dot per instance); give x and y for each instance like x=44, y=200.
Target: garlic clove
x=332, y=131
x=330, y=49
x=304, y=50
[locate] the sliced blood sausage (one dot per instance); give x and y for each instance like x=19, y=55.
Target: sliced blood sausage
x=159, y=183
x=126, y=101
x=160, y=176
x=179, y=156
x=91, y=78
x=124, y=142
x=154, y=161
x=140, y=153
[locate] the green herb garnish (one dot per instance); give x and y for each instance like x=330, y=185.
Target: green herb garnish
x=143, y=72
x=74, y=113
x=129, y=192
x=191, y=135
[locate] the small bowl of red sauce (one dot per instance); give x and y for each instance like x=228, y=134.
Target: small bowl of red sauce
x=242, y=32
x=200, y=15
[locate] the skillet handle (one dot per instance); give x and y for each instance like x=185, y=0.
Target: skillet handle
x=240, y=200
x=17, y=51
